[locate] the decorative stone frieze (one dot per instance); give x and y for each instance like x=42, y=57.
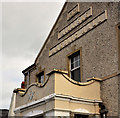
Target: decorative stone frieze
x=75, y=23
x=73, y=11
x=86, y=28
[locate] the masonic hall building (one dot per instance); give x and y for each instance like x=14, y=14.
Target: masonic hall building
x=77, y=71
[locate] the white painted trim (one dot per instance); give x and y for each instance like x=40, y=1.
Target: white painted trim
x=73, y=111
x=35, y=102
x=33, y=113
x=12, y=105
x=56, y=96
x=65, y=97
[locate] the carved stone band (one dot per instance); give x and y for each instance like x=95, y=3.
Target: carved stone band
x=89, y=26
x=73, y=11
x=76, y=22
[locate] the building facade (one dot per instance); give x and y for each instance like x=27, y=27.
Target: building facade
x=77, y=71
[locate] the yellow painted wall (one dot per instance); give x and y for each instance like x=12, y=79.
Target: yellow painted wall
x=65, y=87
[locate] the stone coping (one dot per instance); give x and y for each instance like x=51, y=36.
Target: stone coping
x=57, y=71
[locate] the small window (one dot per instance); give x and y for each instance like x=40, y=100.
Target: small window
x=41, y=77
x=27, y=79
x=75, y=66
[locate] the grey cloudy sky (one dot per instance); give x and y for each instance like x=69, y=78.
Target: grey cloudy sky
x=25, y=27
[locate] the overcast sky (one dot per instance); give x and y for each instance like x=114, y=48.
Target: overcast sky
x=25, y=27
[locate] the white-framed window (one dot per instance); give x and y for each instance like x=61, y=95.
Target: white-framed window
x=75, y=66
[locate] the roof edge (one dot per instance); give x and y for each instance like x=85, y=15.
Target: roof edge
x=28, y=68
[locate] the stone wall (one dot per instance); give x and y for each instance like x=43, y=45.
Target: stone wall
x=109, y=95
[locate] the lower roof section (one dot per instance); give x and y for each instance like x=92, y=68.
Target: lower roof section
x=59, y=92
x=61, y=103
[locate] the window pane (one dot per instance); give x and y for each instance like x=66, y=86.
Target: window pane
x=42, y=78
x=75, y=75
x=71, y=60
x=72, y=65
x=76, y=58
x=39, y=80
x=76, y=64
x=79, y=63
x=28, y=80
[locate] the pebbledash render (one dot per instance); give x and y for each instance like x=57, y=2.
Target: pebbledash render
x=77, y=71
